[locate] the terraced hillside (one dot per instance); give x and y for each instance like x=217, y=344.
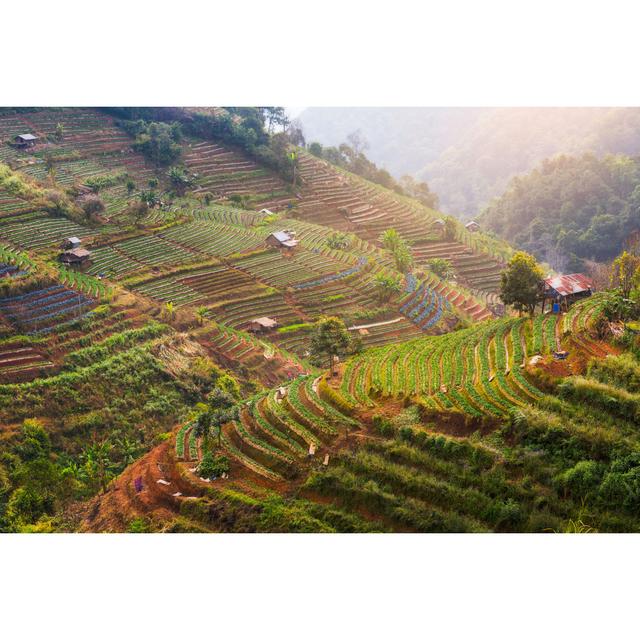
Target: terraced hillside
x=92, y=150
x=442, y=423
x=386, y=446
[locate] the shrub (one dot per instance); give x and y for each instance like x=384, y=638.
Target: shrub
x=213, y=466
x=582, y=480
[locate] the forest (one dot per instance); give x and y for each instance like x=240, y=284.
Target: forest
x=569, y=209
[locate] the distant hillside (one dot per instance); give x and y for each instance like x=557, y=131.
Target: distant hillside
x=570, y=207
x=468, y=155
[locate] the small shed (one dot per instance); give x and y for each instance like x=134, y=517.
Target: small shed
x=259, y=325
x=75, y=256
x=564, y=290
x=282, y=240
x=472, y=226
x=71, y=243
x=25, y=140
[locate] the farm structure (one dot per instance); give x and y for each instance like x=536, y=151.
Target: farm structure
x=567, y=289
x=25, y=140
x=259, y=325
x=282, y=240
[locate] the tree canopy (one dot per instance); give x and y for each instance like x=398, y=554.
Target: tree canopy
x=570, y=208
x=330, y=338
x=521, y=282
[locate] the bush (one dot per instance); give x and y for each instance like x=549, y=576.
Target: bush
x=213, y=466
x=582, y=480
x=334, y=397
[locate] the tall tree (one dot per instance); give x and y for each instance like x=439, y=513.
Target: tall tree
x=625, y=273
x=330, y=338
x=521, y=282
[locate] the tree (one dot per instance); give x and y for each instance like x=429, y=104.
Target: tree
x=202, y=428
x=403, y=258
x=316, y=149
x=521, y=282
x=295, y=134
x=223, y=409
x=169, y=310
x=158, y=141
x=385, y=287
x=450, y=229
x=390, y=239
x=441, y=267
x=330, y=338
x=131, y=186
x=92, y=205
x=419, y=190
x=180, y=180
x=59, y=134
x=358, y=142
x=98, y=464
x=338, y=240
x=625, y=273
x=394, y=242
x=150, y=198
x=201, y=315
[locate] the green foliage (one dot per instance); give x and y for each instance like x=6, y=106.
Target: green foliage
x=339, y=240
x=159, y=141
x=350, y=155
x=330, y=339
x=213, y=466
x=570, y=206
x=179, y=180
x=105, y=180
x=441, y=267
x=619, y=371
x=394, y=242
x=385, y=287
x=521, y=282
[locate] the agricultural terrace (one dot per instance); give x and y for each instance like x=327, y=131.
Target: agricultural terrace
x=91, y=151
x=406, y=478
x=480, y=372
x=226, y=173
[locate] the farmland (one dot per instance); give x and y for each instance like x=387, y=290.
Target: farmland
x=442, y=419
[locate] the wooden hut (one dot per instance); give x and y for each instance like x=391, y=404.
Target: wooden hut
x=282, y=240
x=260, y=325
x=75, y=256
x=564, y=290
x=25, y=140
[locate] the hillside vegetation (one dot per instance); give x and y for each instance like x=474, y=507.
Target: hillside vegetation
x=468, y=155
x=136, y=394
x=570, y=208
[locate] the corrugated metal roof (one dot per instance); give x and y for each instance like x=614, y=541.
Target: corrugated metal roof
x=569, y=284
x=265, y=322
x=27, y=136
x=281, y=236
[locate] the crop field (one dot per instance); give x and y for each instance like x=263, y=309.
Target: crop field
x=404, y=477
x=43, y=310
x=37, y=230
x=477, y=271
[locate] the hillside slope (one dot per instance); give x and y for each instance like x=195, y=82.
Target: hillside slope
x=468, y=155
x=451, y=433
x=570, y=208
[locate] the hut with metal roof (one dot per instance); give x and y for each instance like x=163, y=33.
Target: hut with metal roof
x=259, y=325
x=282, y=240
x=25, y=140
x=566, y=289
